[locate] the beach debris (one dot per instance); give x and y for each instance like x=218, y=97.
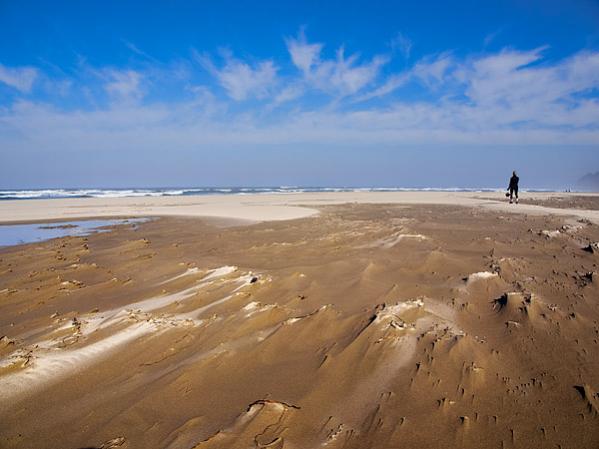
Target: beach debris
x=518, y=305
x=571, y=227
x=5, y=341
x=549, y=234
x=251, y=306
x=592, y=248
x=9, y=291
x=590, y=396
x=253, y=280
x=71, y=284
x=273, y=403
x=501, y=302
x=111, y=444
x=20, y=358
x=584, y=278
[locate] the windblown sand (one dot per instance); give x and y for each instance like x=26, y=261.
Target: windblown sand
x=366, y=326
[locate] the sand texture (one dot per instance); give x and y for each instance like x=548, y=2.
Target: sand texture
x=429, y=325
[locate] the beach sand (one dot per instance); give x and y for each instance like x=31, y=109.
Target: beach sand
x=342, y=320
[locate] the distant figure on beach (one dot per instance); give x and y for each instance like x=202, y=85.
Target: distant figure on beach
x=513, y=187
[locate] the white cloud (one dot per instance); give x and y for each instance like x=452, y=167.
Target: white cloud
x=192, y=125
x=20, y=78
x=123, y=85
x=392, y=83
x=519, y=89
x=341, y=76
x=240, y=80
x=432, y=71
x=289, y=93
x=509, y=97
x=303, y=55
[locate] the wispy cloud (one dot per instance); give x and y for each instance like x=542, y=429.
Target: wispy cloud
x=402, y=43
x=489, y=38
x=433, y=70
x=304, y=55
x=509, y=97
x=240, y=79
x=20, y=78
x=430, y=70
x=287, y=94
x=135, y=49
x=123, y=85
x=340, y=76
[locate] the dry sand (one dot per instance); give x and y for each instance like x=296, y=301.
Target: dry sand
x=441, y=321
x=257, y=207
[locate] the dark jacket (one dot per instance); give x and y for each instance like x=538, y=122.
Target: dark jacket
x=514, y=183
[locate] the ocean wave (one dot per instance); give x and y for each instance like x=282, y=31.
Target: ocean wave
x=16, y=194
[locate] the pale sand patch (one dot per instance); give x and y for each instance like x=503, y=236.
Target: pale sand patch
x=188, y=272
x=390, y=242
x=49, y=366
x=48, y=362
x=481, y=275
x=158, y=302
x=260, y=207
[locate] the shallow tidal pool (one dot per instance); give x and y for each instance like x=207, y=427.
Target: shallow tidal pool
x=17, y=234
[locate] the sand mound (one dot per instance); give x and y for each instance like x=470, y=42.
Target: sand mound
x=262, y=425
x=518, y=307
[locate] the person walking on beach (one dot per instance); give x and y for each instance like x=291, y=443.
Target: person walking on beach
x=513, y=187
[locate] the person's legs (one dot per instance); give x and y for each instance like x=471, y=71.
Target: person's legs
x=511, y=195
x=516, y=193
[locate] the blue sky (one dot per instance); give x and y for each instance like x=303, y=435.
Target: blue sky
x=443, y=94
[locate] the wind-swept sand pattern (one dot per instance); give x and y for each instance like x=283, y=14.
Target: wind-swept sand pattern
x=365, y=326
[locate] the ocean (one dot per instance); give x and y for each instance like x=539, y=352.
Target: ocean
x=26, y=194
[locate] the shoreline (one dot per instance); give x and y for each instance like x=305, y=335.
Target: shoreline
x=254, y=208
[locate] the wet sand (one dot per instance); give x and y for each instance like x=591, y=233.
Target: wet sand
x=362, y=326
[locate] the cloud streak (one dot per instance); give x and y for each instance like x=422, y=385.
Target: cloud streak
x=402, y=43
x=19, y=78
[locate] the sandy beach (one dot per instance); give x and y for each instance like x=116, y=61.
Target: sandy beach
x=337, y=320
x=265, y=207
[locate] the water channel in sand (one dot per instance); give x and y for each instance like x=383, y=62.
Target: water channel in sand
x=17, y=234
